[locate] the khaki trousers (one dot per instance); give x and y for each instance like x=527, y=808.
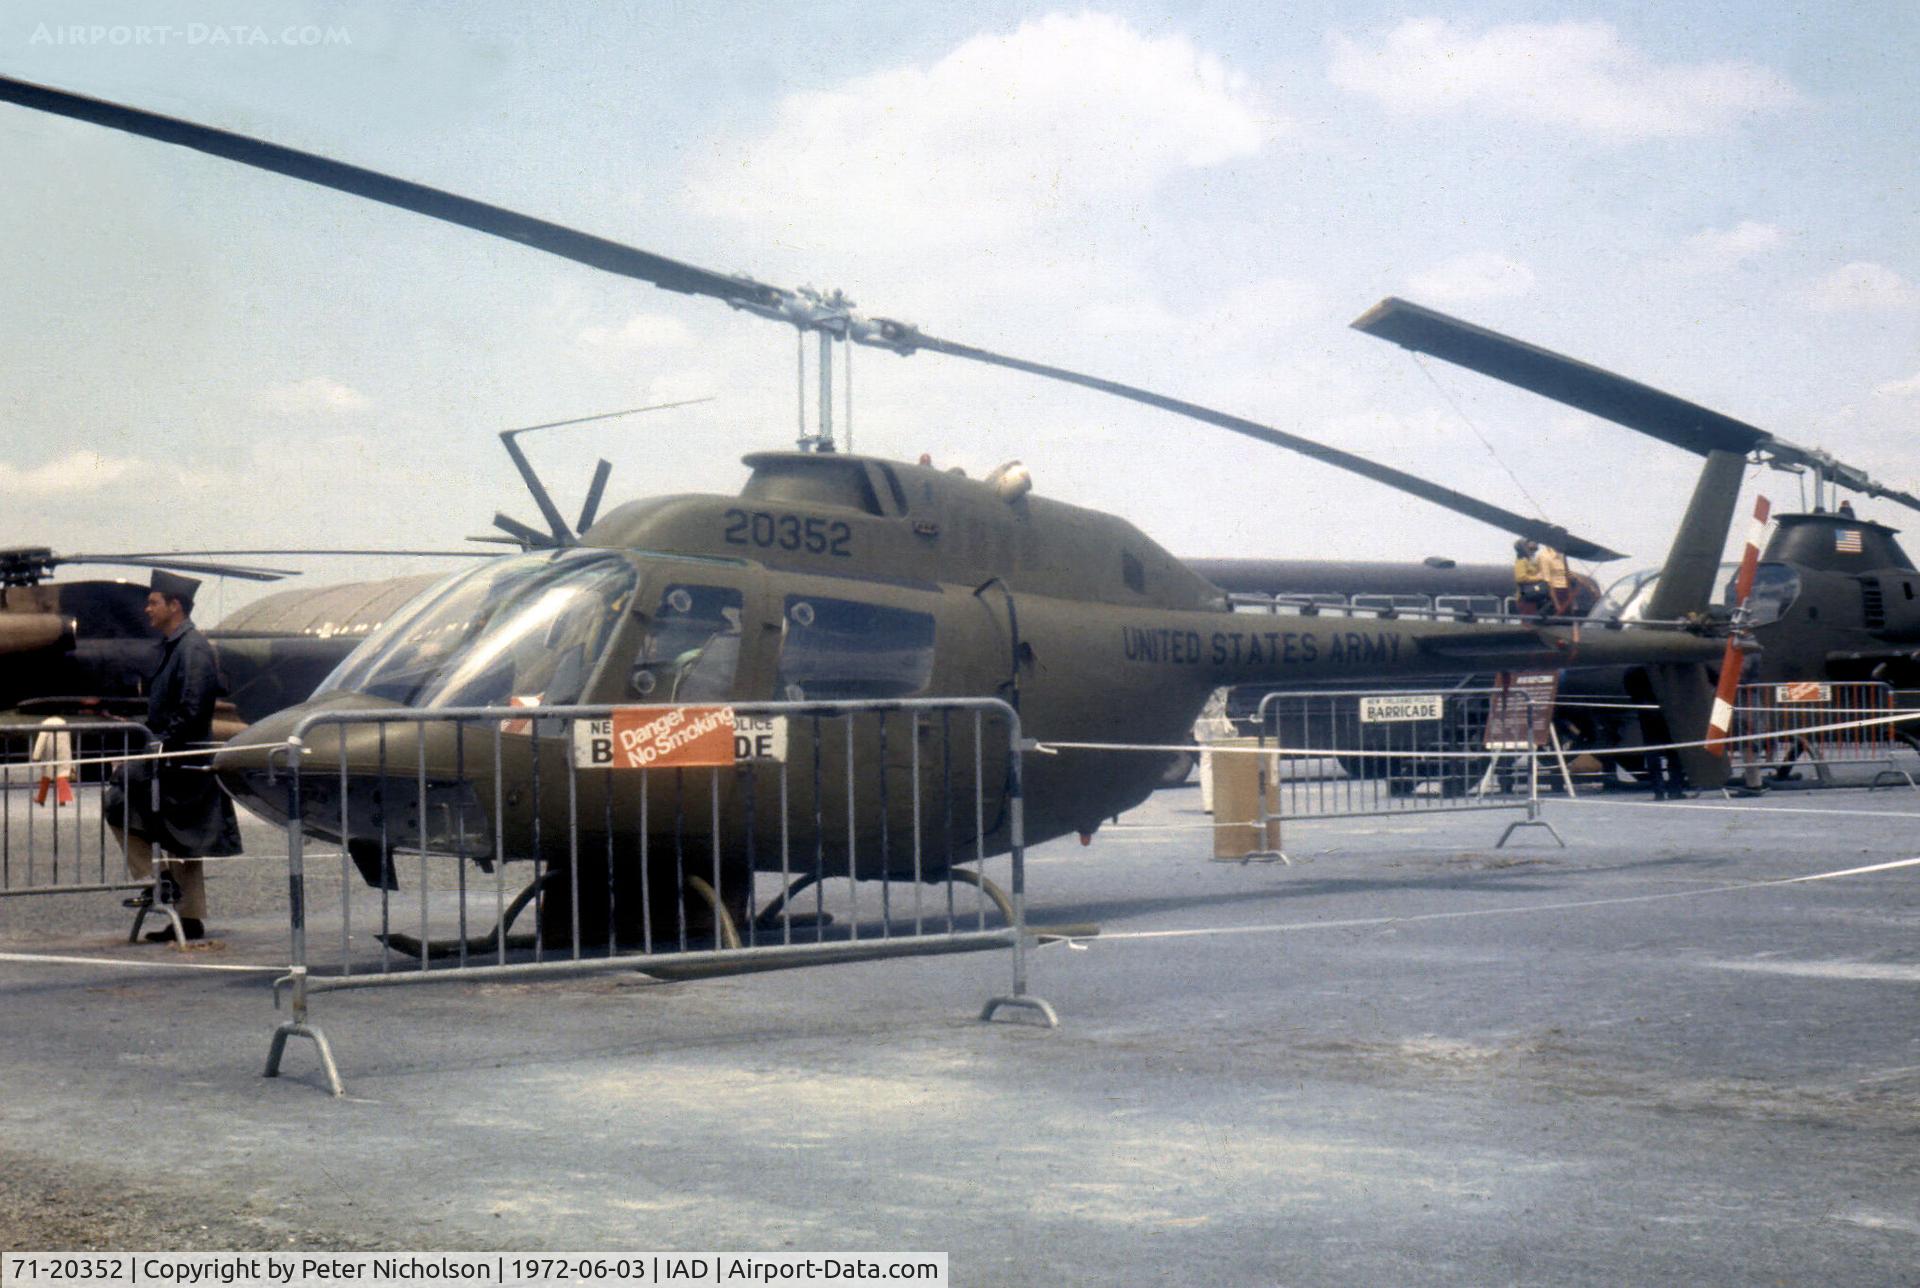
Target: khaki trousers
x=188, y=873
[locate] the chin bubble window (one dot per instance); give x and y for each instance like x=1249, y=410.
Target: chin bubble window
x=692, y=646
x=841, y=650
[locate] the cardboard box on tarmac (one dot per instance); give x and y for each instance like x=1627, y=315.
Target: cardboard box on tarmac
x=1241, y=800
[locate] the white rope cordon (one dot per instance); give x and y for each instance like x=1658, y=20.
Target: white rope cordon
x=1671, y=806
x=152, y=755
x=144, y=963
x=1051, y=747
x=1363, y=923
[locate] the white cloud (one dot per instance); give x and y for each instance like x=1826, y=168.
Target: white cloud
x=998, y=135
x=81, y=471
x=314, y=394
x=640, y=332
x=1860, y=287
x=1908, y=388
x=1478, y=275
x=1721, y=250
x=1580, y=75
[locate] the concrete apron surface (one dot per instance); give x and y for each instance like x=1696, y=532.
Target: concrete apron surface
x=1410, y=1057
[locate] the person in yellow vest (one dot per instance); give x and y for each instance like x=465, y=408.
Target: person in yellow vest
x=1530, y=587
x=1553, y=568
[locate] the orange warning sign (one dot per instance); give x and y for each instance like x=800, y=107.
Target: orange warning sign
x=1803, y=691
x=657, y=738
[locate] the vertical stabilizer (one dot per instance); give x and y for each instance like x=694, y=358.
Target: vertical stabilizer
x=1693, y=563
x=1685, y=589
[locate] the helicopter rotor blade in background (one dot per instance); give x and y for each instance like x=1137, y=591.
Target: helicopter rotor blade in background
x=806, y=309
x=289, y=551
x=562, y=535
x=595, y=490
x=244, y=572
x=1545, y=533
x=1598, y=392
x=528, y=538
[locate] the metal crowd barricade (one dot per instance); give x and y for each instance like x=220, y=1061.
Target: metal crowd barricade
x=841, y=831
x=55, y=833
x=1363, y=753
x=1823, y=723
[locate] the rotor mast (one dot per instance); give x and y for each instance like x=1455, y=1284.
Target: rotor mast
x=830, y=314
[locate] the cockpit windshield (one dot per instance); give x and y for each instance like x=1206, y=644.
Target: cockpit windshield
x=1775, y=587
x=1626, y=598
x=524, y=630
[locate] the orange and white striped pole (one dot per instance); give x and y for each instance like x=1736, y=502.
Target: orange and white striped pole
x=1721, y=722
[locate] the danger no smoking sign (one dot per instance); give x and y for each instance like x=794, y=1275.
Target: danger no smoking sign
x=677, y=738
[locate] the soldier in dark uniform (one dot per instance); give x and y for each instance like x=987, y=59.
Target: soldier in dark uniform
x=193, y=818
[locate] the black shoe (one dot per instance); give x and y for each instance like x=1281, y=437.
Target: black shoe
x=189, y=926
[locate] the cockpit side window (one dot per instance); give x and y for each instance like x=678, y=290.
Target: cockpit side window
x=692, y=646
x=840, y=650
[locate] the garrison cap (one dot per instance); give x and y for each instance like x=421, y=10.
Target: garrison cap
x=174, y=586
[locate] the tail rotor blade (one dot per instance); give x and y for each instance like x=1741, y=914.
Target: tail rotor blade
x=1728, y=690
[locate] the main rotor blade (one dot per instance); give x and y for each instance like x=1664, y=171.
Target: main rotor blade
x=800, y=308
x=555, y=239
x=1547, y=534
x=1602, y=393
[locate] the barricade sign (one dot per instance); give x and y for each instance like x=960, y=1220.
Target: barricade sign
x=1394, y=708
x=662, y=838
x=1823, y=723
x=1521, y=714
x=677, y=738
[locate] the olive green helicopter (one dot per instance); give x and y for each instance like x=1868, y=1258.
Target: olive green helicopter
x=1834, y=597
x=835, y=577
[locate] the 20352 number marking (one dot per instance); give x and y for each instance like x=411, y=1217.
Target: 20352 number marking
x=789, y=532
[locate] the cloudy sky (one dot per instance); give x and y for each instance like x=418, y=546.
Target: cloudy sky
x=1711, y=198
